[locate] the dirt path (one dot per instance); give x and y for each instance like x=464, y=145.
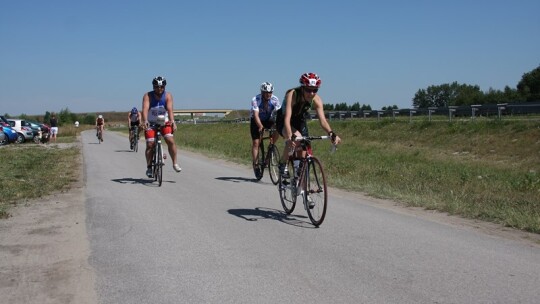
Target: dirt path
x=44, y=251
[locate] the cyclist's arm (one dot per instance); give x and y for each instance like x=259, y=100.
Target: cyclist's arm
x=318, y=104
x=144, y=110
x=287, y=130
x=255, y=112
x=170, y=104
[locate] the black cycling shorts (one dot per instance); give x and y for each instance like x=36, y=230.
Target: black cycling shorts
x=254, y=129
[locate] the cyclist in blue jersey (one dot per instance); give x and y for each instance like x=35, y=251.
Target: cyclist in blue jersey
x=134, y=119
x=291, y=118
x=262, y=113
x=155, y=103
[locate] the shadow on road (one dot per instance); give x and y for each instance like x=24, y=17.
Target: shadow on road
x=259, y=213
x=237, y=179
x=142, y=181
x=123, y=151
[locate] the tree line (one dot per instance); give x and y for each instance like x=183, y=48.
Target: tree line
x=456, y=94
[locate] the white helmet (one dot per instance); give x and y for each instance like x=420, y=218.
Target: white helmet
x=267, y=87
x=100, y=116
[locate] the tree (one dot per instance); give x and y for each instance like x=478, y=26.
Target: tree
x=355, y=106
x=328, y=107
x=529, y=85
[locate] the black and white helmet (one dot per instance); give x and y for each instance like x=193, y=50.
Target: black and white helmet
x=267, y=87
x=159, y=81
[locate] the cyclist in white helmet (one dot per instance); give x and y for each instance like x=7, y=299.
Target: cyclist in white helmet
x=262, y=113
x=100, y=122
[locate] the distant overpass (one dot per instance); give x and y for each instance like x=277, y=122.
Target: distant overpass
x=193, y=111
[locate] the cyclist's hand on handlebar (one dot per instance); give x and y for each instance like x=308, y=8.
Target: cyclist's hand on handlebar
x=335, y=138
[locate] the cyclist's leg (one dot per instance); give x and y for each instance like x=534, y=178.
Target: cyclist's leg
x=255, y=142
x=149, y=134
x=130, y=132
x=167, y=132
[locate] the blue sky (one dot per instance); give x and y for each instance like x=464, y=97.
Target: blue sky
x=94, y=56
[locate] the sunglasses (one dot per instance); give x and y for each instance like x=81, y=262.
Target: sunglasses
x=159, y=87
x=311, y=90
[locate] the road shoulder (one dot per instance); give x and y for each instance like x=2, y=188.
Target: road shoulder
x=44, y=251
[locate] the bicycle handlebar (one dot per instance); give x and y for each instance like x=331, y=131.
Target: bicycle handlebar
x=310, y=138
x=301, y=138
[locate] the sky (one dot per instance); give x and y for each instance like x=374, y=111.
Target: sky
x=99, y=56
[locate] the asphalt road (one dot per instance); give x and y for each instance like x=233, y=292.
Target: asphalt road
x=211, y=234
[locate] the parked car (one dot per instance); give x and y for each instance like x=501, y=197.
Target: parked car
x=10, y=135
x=45, y=130
x=23, y=128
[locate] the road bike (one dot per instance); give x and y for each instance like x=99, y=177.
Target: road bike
x=99, y=135
x=269, y=160
x=157, y=155
x=307, y=180
x=134, y=138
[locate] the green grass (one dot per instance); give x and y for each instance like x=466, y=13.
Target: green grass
x=484, y=169
x=31, y=171
x=488, y=170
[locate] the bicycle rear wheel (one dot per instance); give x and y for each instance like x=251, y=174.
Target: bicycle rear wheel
x=273, y=164
x=315, y=194
x=287, y=190
x=259, y=167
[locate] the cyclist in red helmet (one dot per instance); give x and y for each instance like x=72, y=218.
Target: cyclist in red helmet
x=291, y=118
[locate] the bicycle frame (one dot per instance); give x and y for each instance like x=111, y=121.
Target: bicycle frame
x=157, y=155
x=307, y=180
x=264, y=160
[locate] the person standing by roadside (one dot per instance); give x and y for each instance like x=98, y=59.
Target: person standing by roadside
x=54, y=127
x=159, y=102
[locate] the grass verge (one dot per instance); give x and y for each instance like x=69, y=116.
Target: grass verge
x=31, y=171
x=483, y=170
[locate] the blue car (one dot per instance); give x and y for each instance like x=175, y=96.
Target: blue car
x=10, y=134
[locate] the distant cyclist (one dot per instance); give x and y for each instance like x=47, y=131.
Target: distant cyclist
x=262, y=113
x=291, y=118
x=100, y=122
x=134, y=119
x=159, y=102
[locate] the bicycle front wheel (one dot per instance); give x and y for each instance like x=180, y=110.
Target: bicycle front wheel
x=287, y=190
x=159, y=165
x=135, y=139
x=315, y=194
x=273, y=164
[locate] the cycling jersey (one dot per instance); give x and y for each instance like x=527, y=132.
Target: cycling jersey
x=100, y=121
x=134, y=117
x=265, y=111
x=157, y=107
x=299, y=113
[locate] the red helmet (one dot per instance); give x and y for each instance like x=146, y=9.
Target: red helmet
x=310, y=80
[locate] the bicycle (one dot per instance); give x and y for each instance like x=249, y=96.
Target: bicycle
x=158, y=157
x=99, y=135
x=135, y=138
x=308, y=180
x=269, y=160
